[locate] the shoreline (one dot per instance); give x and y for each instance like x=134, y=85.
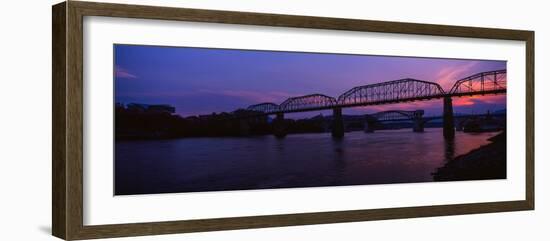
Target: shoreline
x=484, y=163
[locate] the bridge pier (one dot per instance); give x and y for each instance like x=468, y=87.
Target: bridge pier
x=448, y=119
x=279, y=126
x=369, y=126
x=418, y=122
x=337, y=123
x=418, y=125
x=459, y=125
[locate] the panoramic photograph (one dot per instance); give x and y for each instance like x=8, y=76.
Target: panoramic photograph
x=191, y=119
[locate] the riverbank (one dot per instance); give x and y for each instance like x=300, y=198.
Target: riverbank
x=486, y=162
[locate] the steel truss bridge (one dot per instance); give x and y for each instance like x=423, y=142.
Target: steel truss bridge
x=370, y=120
x=390, y=92
x=404, y=115
x=396, y=115
x=417, y=118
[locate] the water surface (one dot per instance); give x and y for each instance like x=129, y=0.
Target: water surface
x=298, y=160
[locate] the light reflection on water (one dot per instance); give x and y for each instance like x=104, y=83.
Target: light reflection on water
x=298, y=160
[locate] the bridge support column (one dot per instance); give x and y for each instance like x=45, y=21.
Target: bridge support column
x=418, y=125
x=369, y=126
x=448, y=118
x=337, y=123
x=418, y=122
x=279, y=126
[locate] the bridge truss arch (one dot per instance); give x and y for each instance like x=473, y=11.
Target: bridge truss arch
x=490, y=82
x=391, y=92
x=392, y=115
x=308, y=102
x=266, y=107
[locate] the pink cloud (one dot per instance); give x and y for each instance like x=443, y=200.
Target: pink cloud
x=488, y=99
x=123, y=73
x=447, y=76
x=254, y=97
x=157, y=94
x=463, y=102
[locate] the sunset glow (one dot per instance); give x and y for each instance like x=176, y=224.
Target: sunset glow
x=202, y=81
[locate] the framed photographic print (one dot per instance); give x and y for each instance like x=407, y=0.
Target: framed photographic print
x=170, y=120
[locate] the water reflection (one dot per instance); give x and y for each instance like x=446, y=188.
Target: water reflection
x=449, y=149
x=300, y=160
x=339, y=155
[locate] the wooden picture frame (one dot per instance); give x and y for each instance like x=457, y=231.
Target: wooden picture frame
x=67, y=159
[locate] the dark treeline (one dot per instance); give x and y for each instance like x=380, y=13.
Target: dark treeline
x=139, y=121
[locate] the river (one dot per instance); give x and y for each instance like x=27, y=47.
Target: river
x=298, y=160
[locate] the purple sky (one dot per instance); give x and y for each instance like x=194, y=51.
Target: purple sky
x=202, y=81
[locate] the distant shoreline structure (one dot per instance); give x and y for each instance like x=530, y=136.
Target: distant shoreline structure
x=160, y=121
